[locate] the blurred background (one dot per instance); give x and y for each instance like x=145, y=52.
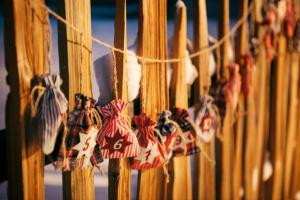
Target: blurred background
x=103, y=12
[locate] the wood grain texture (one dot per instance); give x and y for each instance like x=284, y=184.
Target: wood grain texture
x=75, y=60
x=241, y=49
x=227, y=131
x=223, y=30
x=278, y=122
x=291, y=141
x=204, y=178
x=119, y=169
x=25, y=57
x=180, y=182
x=152, y=38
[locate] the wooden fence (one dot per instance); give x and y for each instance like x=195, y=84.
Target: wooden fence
x=264, y=121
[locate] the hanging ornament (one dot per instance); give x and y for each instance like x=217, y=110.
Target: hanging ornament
x=152, y=154
x=281, y=9
x=246, y=71
x=80, y=148
x=205, y=118
x=270, y=45
x=188, y=141
x=116, y=138
x=50, y=107
x=233, y=86
x=272, y=23
x=290, y=19
x=167, y=129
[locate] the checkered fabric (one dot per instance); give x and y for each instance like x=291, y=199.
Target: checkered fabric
x=181, y=116
x=81, y=120
x=167, y=130
x=151, y=155
x=116, y=137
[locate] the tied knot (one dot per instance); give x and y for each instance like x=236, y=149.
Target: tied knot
x=145, y=128
x=164, y=124
x=114, y=109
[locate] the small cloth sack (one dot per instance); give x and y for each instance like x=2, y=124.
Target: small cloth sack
x=152, y=154
x=116, y=138
x=181, y=116
x=206, y=118
x=49, y=107
x=167, y=129
x=81, y=148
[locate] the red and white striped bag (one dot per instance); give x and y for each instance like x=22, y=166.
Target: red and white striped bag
x=115, y=136
x=152, y=153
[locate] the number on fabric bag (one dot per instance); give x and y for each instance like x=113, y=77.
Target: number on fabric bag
x=118, y=144
x=87, y=144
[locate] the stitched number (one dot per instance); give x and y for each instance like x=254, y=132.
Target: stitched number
x=207, y=124
x=148, y=154
x=87, y=144
x=118, y=144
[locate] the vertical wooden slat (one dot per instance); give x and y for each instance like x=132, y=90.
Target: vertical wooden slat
x=241, y=49
x=180, y=186
x=204, y=169
x=222, y=31
x=152, y=37
x=75, y=59
x=279, y=118
x=25, y=57
x=119, y=169
x=292, y=124
x=227, y=145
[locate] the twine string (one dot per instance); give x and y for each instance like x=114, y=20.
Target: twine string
x=218, y=43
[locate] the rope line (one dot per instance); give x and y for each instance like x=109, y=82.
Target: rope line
x=218, y=43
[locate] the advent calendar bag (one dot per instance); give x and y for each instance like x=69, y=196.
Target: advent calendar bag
x=168, y=131
x=80, y=148
x=206, y=118
x=116, y=137
x=152, y=153
x=182, y=118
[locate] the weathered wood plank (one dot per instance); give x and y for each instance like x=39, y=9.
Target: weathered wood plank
x=241, y=49
x=278, y=121
x=180, y=182
x=25, y=57
x=75, y=59
x=119, y=169
x=227, y=145
x=152, y=38
x=292, y=124
x=204, y=180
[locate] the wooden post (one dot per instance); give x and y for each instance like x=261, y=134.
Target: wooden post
x=204, y=170
x=75, y=60
x=152, y=38
x=119, y=169
x=25, y=57
x=292, y=124
x=293, y=117
x=240, y=131
x=224, y=30
x=227, y=145
x=278, y=121
x=180, y=186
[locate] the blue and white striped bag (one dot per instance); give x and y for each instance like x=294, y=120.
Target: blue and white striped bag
x=50, y=107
